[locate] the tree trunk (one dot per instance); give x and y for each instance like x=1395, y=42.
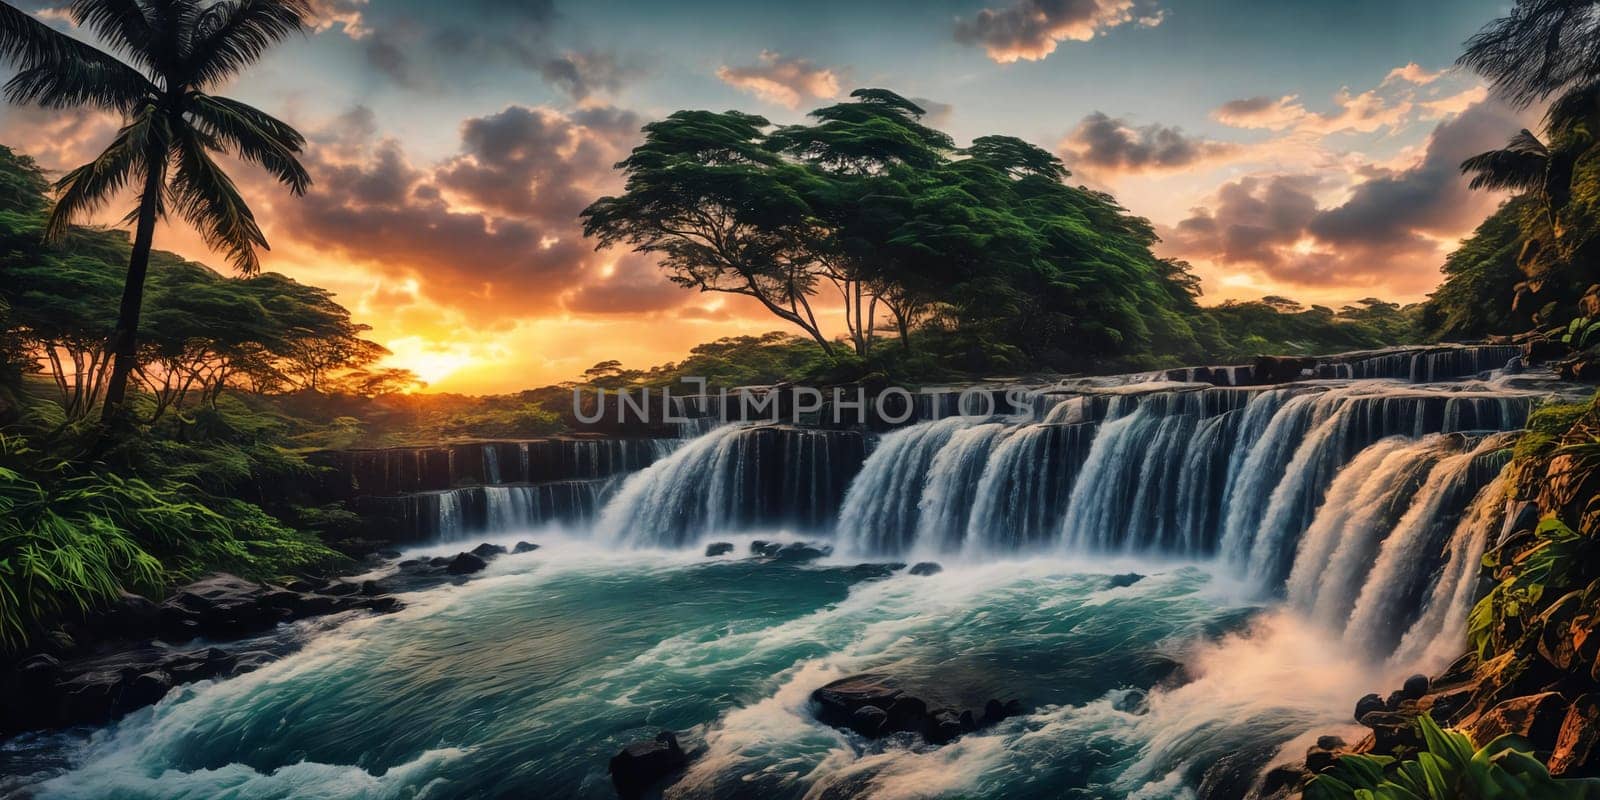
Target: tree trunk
x=124, y=342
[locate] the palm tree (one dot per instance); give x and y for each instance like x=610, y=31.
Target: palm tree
x=1543, y=167
x=164, y=58
x=1540, y=48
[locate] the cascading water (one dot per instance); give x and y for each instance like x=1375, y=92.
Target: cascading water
x=1285, y=550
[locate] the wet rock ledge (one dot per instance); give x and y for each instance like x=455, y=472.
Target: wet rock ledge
x=219, y=626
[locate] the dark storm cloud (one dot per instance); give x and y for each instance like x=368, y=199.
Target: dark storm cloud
x=1108, y=144
x=1029, y=29
x=492, y=229
x=1389, y=230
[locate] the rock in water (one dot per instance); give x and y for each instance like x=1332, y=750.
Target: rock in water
x=800, y=551
x=465, y=564
x=524, y=547
x=1119, y=581
x=487, y=550
x=873, y=705
x=926, y=568
x=718, y=549
x=641, y=765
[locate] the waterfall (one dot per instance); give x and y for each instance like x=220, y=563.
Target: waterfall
x=1442, y=625
x=952, y=486
x=1023, y=489
x=735, y=476
x=451, y=520
x=1361, y=507
x=880, y=513
x=1409, y=555
x=1342, y=497
x=491, y=464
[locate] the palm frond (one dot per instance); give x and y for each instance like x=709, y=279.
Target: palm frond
x=87, y=188
x=1538, y=48
x=73, y=83
x=1519, y=166
x=253, y=135
x=207, y=199
x=36, y=48
x=232, y=34
x=132, y=28
x=1571, y=108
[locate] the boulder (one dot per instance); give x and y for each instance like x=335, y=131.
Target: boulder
x=837, y=702
x=524, y=547
x=1127, y=579
x=925, y=568
x=339, y=589
x=873, y=705
x=801, y=551
x=994, y=711
x=1415, y=687
x=218, y=605
x=1367, y=705
x=1133, y=701
x=1392, y=730
x=487, y=551
x=762, y=547
x=869, y=721
x=144, y=689
x=1576, y=753
x=1284, y=781
x=718, y=549
x=90, y=697
x=1537, y=351
x=943, y=726
x=1538, y=717
x=465, y=564
x=1319, y=759
x=641, y=765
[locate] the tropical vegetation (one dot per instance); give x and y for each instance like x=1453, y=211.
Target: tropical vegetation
x=164, y=61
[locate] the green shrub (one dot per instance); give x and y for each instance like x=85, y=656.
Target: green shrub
x=1448, y=768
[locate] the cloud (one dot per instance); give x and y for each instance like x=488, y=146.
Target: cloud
x=1456, y=103
x=59, y=139
x=1108, y=144
x=347, y=15
x=1261, y=112
x=1413, y=73
x=782, y=80
x=581, y=74
x=1365, y=112
x=492, y=230
x=1391, y=229
x=1029, y=30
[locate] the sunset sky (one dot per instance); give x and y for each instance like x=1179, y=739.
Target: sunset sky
x=1301, y=149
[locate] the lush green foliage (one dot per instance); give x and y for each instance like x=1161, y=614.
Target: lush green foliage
x=76, y=530
x=1278, y=325
x=159, y=65
x=203, y=332
x=1552, y=566
x=987, y=243
x=1449, y=768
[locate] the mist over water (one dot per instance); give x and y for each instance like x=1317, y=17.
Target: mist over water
x=1297, y=547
